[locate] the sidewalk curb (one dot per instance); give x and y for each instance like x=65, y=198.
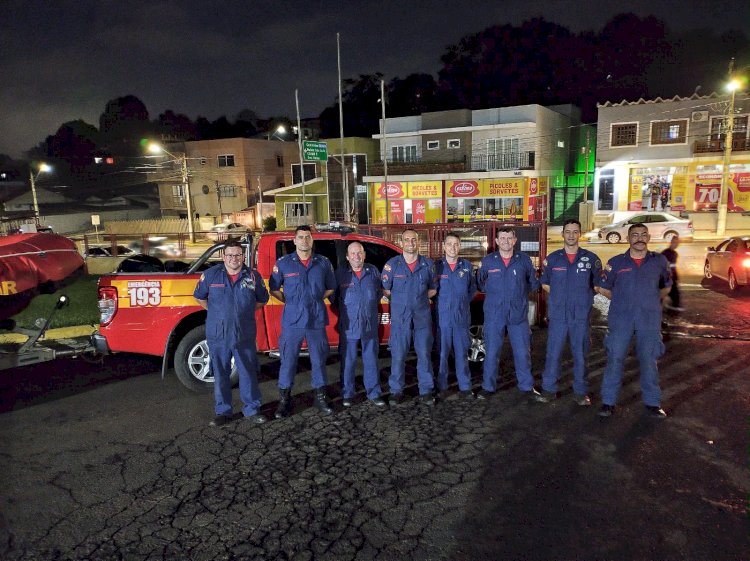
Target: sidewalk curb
x=58, y=333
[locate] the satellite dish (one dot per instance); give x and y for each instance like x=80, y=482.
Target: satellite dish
x=205, y=189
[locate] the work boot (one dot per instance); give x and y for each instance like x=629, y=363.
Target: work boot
x=321, y=403
x=285, y=403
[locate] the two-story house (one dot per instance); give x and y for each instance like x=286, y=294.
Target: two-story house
x=226, y=177
x=466, y=164
x=667, y=155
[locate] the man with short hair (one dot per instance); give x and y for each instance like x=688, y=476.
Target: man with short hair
x=409, y=282
x=303, y=280
x=636, y=282
x=507, y=276
x=456, y=288
x=571, y=276
x=231, y=293
x=358, y=292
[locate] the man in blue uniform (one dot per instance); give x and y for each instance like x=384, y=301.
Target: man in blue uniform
x=408, y=280
x=231, y=293
x=571, y=276
x=358, y=291
x=507, y=276
x=456, y=288
x=303, y=280
x=636, y=282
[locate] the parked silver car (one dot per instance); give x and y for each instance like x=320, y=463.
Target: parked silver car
x=661, y=226
x=729, y=261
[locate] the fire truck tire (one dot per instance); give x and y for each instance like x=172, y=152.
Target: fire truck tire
x=192, y=364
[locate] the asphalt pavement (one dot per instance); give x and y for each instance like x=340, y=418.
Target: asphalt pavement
x=113, y=462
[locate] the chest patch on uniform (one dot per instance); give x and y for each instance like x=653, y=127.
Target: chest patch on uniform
x=217, y=285
x=626, y=270
x=287, y=275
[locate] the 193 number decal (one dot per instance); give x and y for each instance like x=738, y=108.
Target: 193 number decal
x=145, y=296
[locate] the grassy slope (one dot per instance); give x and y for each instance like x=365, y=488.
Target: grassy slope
x=83, y=308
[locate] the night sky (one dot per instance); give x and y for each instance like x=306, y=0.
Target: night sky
x=63, y=60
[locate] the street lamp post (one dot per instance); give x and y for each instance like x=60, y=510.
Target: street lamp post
x=182, y=158
x=721, y=220
x=43, y=168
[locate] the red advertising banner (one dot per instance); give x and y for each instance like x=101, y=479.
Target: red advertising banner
x=395, y=191
x=418, y=210
x=397, y=211
x=463, y=188
x=707, y=190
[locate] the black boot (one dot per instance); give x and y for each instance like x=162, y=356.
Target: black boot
x=321, y=403
x=285, y=403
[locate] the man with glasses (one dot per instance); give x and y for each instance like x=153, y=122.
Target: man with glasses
x=636, y=282
x=506, y=277
x=303, y=280
x=409, y=281
x=231, y=293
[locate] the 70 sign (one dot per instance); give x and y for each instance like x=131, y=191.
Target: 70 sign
x=706, y=196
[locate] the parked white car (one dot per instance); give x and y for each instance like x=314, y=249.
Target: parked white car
x=223, y=231
x=661, y=226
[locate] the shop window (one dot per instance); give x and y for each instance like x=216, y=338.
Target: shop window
x=669, y=132
x=624, y=134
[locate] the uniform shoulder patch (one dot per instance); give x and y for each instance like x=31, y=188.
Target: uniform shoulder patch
x=608, y=267
x=275, y=269
x=545, y=263
x=387, y=267
x=203, y=277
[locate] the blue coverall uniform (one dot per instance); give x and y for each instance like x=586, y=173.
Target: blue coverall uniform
x=571, y=297
x=230, y=332
x=506, y=307
x=456, y=288
x=357, y=300
x=635, y=310
x=410, y=312
x=305, y=315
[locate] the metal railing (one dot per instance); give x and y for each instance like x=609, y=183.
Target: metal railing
x=503, y=161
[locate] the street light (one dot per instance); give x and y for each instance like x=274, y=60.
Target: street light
x=721, y=220
x=43, y=168
x=280, y=130
x=155, y=148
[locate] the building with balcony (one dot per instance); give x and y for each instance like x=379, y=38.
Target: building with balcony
x=463, y=164
x=667, y=154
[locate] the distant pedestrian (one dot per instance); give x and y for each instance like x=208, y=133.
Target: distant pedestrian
x=635, y=281
x=231, y=293
x=409, y=282
x=456, y=287
x=303, y=280
x=506, y=277
x=674, y=293
x=571, y=276
x=358, y=292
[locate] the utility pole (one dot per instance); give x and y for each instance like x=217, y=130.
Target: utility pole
x=586, y=171
x=188, y=198
x=33, y=197
x=301, y=159
x=344, y=174
x=721, y=219
x=385, y=155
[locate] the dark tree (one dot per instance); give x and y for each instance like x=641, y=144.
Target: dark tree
x=175, y=126
x=123, y=124
x=361, y=108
